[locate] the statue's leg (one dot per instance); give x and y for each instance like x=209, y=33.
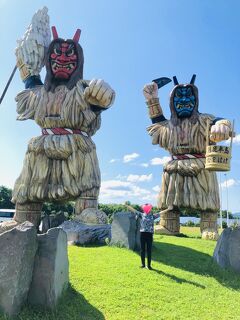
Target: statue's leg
x=208, y=225
x=169, y=221
x=86, y=208
x=30, y=211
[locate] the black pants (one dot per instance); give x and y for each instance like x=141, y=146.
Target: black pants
x=146, y=239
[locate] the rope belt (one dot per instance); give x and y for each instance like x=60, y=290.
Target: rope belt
x=62, y=131
x=188, y=156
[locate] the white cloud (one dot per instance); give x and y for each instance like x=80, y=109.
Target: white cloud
x=236, y=139
x=121, y=177
x=113, y=160
x=145, y=165
x=114, y=184
x=150, y=198
x=120, y=191
x=139, y=178
x=159, y=161
x=229, y=183
x=156, y=188
x=130, y=157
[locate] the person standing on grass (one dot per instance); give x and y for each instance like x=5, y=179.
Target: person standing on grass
x=146, y=231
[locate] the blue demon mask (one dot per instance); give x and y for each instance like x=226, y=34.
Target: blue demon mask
x=184, y=101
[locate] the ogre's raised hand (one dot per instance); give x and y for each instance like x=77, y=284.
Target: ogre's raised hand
x=99, y=93
x=30, y=51
x=150, y=91
x=220, y=131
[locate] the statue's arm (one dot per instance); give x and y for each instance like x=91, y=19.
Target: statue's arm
x=150, y=92
x=30, y=54
x=221, y=129
x=99, y=95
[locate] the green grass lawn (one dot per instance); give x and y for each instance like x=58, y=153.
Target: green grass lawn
x=107, y=283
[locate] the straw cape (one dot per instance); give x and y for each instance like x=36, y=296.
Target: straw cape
x=58, y=167
x=186, y=183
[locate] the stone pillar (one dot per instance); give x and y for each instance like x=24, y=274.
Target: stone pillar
x=125, y=231
x=169, y=222
x=208, y=225
x=50, y=274
x=17, y=252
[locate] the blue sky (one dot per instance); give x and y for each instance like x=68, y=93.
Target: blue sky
x=129, y=43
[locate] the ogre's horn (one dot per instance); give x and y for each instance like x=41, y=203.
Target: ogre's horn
x=193, y=79
x=175, y=81
x=77, y=36
x=54, y=33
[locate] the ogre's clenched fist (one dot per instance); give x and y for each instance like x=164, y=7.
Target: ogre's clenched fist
x=99, y=93
x=220, y=132
x=150, y=91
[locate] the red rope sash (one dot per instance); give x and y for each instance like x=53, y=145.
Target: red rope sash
x=61, y=131
x=188, y=156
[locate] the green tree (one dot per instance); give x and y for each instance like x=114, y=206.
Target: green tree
x=5, y=198
x=54, y=207
x=188, y=212
x=224, y=214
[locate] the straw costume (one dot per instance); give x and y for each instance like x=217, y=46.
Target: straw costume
x=61, y=164
x=185, y=182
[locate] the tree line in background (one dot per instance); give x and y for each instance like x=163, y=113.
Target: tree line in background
x=109, y=209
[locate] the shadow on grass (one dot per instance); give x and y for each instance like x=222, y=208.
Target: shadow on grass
x=71, y=306
x=193, y=261
x=178, y=280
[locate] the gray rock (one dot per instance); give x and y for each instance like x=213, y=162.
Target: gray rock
x=51, y=269
x=45, y=224
x=227, y=251
x=80, y=233
x=92, y=216
x=17, y=251
x=125, y=231
x=56, y=219
x=221, y=252
x=52, y=221
x=137, y=238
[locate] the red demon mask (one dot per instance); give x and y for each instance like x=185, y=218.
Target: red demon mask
x=63, y=56
x=64, y=62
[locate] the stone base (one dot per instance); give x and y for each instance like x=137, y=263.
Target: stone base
x=80, y=233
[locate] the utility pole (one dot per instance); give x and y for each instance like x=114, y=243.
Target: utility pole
x=227, y=198
x=220, y=187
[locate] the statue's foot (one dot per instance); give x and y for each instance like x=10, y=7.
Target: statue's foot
x=162, y=230
x=92, y=216
x=8, y=225
x=210, y=234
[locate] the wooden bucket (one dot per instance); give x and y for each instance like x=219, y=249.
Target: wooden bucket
x=218, y=158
